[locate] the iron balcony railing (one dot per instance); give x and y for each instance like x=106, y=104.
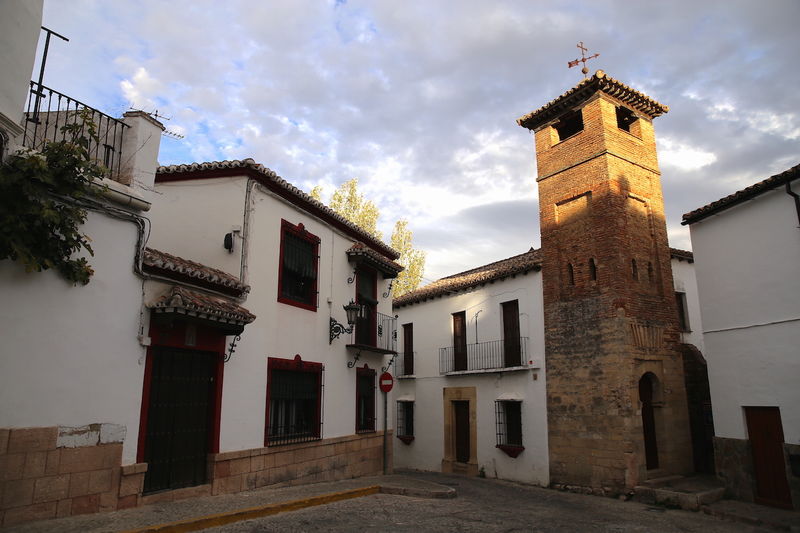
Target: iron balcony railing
x=404, y=364
x=47, y=113
x=489, y=355
x=375, y=330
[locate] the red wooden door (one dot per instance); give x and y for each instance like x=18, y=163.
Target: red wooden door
x=461, y=411
x=765, y=431
x=408, y=349
x=460, y=340
x=511, y=340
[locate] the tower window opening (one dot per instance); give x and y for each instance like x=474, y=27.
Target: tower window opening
x=569, y=125
x=625, y=117
x=634, y=270
x=571, y=274
x=592, y=270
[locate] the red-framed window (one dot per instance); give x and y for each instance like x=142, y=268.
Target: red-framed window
x=365, y=399
x=299, y=265
x=294, y=401
x=407, y=368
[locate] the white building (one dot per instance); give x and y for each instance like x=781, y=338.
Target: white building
x=299, y=393
x=747, y=251
x=471, y=391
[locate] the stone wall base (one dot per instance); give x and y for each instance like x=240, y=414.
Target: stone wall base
x=52, y=472
x=734, y=464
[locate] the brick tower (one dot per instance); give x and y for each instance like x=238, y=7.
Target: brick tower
x=616, y=399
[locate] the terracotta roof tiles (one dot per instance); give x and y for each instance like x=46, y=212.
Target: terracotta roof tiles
x=597, y=82
x=188, y=302
x=742, y=196
x=181, y=269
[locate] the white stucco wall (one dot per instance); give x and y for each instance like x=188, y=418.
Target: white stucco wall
x=70, y=355
x=433, y=330
x=190, y=221
x=19, y=32
x=746, y=260
x=684, y=280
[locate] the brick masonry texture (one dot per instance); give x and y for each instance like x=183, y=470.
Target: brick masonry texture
x=600, y=198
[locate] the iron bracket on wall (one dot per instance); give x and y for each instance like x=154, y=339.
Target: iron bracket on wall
x=390, y=363
x=231, y=348
x=389, y=290
x=352, y=278
x=356, y=357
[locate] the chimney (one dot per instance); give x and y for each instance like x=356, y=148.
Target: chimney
x=140, y=146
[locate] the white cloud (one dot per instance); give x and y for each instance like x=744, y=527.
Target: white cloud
x=142, y=90
x=682, y=156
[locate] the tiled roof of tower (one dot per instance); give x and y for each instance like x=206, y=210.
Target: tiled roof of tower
x=280, y=186
x=599, y=81
x=519, y=264
x=681, y=255
x=742, y=196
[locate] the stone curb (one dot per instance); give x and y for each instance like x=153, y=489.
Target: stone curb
x=238, y=515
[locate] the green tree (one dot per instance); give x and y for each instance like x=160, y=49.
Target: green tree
x=352, y=205
x=40, y=204
x=413, y=260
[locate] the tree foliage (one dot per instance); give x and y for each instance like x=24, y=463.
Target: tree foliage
x=39, y=218
x=352, y=205
x=413, y=260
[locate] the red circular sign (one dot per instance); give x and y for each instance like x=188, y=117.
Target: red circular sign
x=386, y=382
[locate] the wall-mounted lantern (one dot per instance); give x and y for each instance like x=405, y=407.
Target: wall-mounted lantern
x=353, y=311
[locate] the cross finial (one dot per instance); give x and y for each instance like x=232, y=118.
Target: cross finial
x=583, y=59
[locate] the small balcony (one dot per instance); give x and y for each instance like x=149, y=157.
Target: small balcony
x=404, y=364
x=375, y=332
x=491, y=356
x=47, y=113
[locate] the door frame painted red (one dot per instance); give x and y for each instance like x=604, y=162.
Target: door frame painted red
x=207, y=339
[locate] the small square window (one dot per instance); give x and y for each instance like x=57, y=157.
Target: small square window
x=297, y=279
x=405, y=421
x=625, y=118
x=508, y=418
x=569, y=124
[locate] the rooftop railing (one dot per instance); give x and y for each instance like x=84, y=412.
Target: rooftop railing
x=47, y=113
x=491, y=355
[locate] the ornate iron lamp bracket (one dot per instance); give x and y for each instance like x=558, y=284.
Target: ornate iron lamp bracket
x=390, y=363
x=337, y=329
x=352, y=278
x=389, y=290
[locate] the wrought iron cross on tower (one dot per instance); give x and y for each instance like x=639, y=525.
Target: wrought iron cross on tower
x=583, y=59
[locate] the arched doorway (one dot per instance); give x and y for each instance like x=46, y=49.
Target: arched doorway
x=647, y=386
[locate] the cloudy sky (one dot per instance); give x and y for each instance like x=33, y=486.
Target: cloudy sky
x=418, y=99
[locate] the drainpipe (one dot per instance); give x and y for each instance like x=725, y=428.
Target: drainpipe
x=796, y=197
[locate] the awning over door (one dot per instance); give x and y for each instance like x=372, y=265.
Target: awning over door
x=226, y=314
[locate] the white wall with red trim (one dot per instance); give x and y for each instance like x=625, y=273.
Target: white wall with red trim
x=190, y=220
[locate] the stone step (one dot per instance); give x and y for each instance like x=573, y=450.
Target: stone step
x=689, y=499
x=663, y=480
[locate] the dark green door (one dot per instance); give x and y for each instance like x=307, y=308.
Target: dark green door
x=179, y=418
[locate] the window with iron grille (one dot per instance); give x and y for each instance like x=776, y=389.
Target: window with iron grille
x=508, y=418
x=294, y=401
x=297, y=278
x=365, y=400
x=405, y=421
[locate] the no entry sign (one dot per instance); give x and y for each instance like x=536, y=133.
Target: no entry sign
x=386, y=382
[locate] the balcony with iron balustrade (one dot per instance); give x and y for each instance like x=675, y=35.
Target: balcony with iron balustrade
x=375, y=333
x=484, y=357
x=49, y=111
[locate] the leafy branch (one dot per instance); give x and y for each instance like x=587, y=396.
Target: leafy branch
x=40, y=211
